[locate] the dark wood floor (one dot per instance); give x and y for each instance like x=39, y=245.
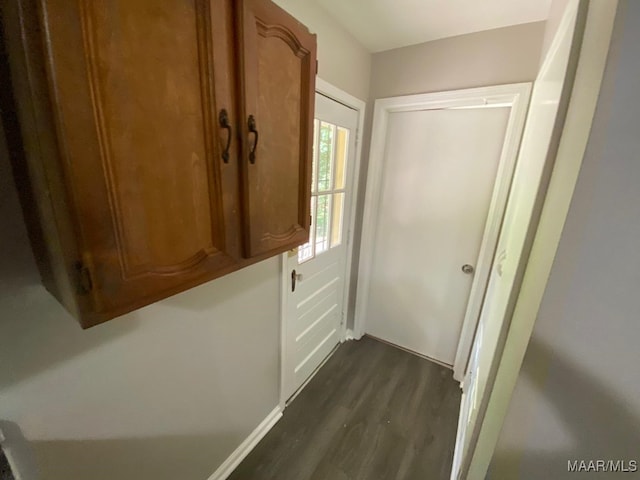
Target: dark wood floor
x=372, y=412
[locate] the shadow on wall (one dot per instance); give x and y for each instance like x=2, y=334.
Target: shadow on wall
x=168, y=457
x=603, y=426
x=36, y=331
x=228, y=289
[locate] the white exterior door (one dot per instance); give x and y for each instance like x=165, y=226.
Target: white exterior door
x=315, y=274
x=440, y=168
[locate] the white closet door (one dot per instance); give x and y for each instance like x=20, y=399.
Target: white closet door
x=439, y=172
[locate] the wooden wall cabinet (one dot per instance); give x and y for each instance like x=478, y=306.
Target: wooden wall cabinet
x=167, y=142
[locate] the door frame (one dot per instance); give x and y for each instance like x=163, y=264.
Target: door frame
x=334, y=93
x=516, y=96
x=555, y=201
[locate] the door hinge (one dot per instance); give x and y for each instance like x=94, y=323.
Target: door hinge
x=83, y=277
x=317, y=67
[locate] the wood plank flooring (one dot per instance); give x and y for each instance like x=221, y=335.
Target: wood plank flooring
x=372, y=412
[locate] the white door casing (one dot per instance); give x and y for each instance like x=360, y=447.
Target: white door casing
x=536, y=141
x=553, y=146
x=499, y=105
x=315, y=277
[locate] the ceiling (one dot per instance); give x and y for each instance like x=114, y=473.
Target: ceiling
x=385, y=24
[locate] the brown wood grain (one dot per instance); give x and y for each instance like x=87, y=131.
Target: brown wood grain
x=143, y=173
x=281, y=54
x=119, y=106
x=40, y=166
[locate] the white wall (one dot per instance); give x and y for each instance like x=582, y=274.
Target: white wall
x=342, y=60
x=492, y=57
x=166, y=392
x=578, y=394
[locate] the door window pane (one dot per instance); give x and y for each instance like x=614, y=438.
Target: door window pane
x=342, y=140
x=337, y=219
x=325, y=155
x=323, y=222
x=328, y=182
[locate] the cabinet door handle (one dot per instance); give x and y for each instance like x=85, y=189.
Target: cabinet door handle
x=251, y=123
x=223, y=118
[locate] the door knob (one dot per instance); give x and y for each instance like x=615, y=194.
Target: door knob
x=295, y=277
x=468, y=269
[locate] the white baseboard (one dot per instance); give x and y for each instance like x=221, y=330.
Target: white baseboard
x=239, y=454
x=349, y=335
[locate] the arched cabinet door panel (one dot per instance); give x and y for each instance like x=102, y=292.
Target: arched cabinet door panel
x=278, y=65
x=136, y=90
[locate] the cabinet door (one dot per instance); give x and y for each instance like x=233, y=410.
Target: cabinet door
x=138, y=88
x=278, y=66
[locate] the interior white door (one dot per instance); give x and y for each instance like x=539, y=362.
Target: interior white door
x=541, y=119
x=316, y=272
x=439, y=173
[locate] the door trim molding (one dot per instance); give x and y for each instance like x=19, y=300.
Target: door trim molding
x=516, y=96
x=331, y=91
x=571, y=149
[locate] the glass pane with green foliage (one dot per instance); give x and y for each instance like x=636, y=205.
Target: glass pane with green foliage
x=325, y=155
